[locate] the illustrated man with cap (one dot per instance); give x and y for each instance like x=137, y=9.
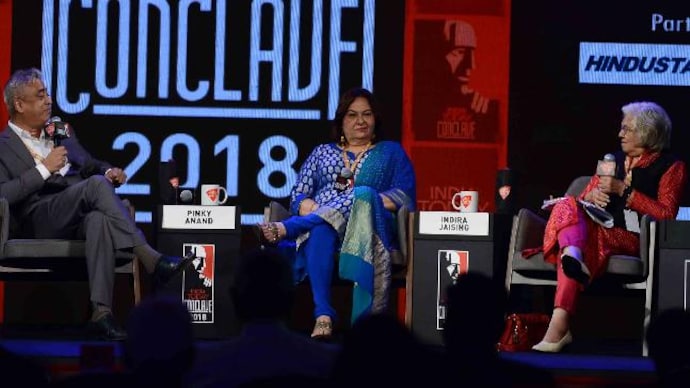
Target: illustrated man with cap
x=468, y=115
x=199, y=264
x=196, y=277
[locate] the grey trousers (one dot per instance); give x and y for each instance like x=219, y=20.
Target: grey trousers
x=91, y=210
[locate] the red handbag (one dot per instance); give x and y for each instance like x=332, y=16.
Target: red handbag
x=522, y=331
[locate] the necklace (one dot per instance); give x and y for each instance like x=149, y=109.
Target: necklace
x=348, y=171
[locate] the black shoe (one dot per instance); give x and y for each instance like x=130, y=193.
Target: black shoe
x=168, y=267
x=575, y=269
x=107, y=328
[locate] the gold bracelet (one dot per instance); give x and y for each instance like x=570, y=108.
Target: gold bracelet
x=299, y=205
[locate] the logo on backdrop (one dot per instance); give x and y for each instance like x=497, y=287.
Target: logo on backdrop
x=197, y=282
x=634, y=64
x=130, y=84
x=451, y=264
x=163, y=61
x=459, y=96
x=447, y=106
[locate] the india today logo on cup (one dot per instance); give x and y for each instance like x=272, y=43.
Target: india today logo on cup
x=210, y=195
x=465, y=201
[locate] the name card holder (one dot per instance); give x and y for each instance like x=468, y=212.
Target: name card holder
x=197, y=217
x=454, y=223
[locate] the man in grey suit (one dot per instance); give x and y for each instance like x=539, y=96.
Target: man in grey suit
x=61, y=191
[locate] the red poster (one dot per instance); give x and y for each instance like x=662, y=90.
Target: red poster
x=197, y=282
x=5, y=60
x=5, y=50
x=456, y=98
x=451, y=264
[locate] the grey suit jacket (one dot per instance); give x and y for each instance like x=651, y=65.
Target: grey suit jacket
x=21, y=183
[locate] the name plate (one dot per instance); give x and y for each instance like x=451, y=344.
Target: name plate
x=198, y=217
x=454, y=223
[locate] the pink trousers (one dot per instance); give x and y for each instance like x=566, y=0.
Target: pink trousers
x=567, y=289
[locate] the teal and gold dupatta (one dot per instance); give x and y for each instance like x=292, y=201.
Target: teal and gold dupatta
x=371, y=234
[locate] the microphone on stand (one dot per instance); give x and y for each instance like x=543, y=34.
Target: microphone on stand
x=57, y=130
x=186, y=196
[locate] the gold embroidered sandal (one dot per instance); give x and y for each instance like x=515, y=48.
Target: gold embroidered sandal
x=275, y=233
x=269, y=233
x=323, y=329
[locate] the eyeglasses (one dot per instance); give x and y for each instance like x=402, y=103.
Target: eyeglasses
x=41, y=96
x=366, y=115
x=626, y=130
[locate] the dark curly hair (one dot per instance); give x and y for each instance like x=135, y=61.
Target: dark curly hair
x=344, y=105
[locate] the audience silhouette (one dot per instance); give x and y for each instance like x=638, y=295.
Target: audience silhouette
x=668, y=342
x=160, y=346
x=379, y=350
x=476, y=308
x=158, y=351
x=267, y=352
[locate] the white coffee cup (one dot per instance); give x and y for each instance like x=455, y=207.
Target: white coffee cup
x=466, y=201
x=211, y=195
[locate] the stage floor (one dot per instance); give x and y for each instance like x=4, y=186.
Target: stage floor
x=66, y=354
x=606, y=351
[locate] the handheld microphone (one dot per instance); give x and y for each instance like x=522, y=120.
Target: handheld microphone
x=57, y=130
x=607, y=167
x=186, y=196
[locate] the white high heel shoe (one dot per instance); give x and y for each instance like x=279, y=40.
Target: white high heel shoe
x=554, y=347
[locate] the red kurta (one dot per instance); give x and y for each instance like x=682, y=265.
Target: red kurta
x=602, y=242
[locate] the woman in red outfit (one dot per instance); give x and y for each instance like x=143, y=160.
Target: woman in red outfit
x=648, y=180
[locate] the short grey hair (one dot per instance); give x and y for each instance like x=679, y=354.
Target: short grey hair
x=17, y=82
x=651, y=123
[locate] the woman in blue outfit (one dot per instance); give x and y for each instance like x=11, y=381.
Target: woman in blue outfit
x=344, y=201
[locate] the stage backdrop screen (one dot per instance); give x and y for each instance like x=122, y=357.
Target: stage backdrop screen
x=236, y=92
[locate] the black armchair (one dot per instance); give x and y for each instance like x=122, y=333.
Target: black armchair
x=401, y=260
x=53, y=259
x=633, y=272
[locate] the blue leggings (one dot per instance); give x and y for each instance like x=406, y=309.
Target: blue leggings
x=318, y=253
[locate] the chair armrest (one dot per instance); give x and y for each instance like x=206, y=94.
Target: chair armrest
x=402, y=216
x=647, y=240
x=275, y=212
x=529, y=230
